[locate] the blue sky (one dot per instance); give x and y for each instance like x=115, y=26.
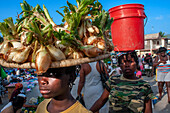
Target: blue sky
x=157, y=11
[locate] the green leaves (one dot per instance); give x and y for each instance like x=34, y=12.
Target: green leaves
x=60, y=13
x=108, y=24
x=73, y=15
x=103, y=19
x=48, y=15
x=25, y=7
x=11, y=25
x=84, y=5
x=29, y=37
x=71, y=7
x=8, y=29
x=67, y=39
x=39, y=26
x=103, y=22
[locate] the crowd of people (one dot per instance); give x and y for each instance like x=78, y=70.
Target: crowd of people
x=147, y=65
x=14, y=77
x=119, y=95
x=123, y=91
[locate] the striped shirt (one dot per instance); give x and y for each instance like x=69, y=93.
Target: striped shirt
x=164, y=68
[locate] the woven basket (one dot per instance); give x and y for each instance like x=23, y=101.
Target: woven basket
x=57, y=64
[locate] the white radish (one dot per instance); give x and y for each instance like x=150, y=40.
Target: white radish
x=23, y=37
x=5, y=48
x=11, y=55
x=90, y=29
x=92, y=51
x=22, y=56
x=43, y=60
x=55, y=53
x=96, y=29
x=91, y=40
x=101, y=45
x=77, y=55
x=17, y=44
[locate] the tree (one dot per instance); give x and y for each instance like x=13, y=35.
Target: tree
x=162, y=34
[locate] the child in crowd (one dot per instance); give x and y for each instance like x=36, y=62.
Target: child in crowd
x=55, y=85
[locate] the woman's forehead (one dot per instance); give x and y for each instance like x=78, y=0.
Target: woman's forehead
x=163, y=52
x=127, y=57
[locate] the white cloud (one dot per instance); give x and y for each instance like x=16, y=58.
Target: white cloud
x=159, y=17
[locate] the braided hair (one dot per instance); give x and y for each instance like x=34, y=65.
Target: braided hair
x=162, y=49
x=132, y=54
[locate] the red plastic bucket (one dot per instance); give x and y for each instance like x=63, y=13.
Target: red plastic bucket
x=128, y=27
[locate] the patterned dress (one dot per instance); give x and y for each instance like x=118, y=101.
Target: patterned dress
x=163, y=71
x=128, y=96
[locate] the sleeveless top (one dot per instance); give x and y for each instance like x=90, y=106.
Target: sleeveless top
x=93, y=78
x=164, y=68
x=93, y=88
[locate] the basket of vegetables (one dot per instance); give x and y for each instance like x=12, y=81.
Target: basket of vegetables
x=35, y=41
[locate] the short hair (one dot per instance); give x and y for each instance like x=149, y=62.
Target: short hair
x=18, y=102
x=72, y=71
x=132, y=54
x=162, y=49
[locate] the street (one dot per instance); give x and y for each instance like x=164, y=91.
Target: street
x=161, y=106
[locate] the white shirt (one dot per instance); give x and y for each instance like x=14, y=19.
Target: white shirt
x=114, y=61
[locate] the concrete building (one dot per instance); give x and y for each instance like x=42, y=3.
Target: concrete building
x=153, y=42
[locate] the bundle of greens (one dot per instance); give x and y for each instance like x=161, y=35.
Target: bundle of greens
x=36, y=38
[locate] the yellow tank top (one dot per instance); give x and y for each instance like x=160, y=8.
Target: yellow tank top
x=75, y=108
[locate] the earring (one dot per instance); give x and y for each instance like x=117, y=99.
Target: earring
x=70, y=85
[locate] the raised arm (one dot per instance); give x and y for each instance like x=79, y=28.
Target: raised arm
x=156, y=63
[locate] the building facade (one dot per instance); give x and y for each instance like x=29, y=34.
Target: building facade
x=153, y=42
